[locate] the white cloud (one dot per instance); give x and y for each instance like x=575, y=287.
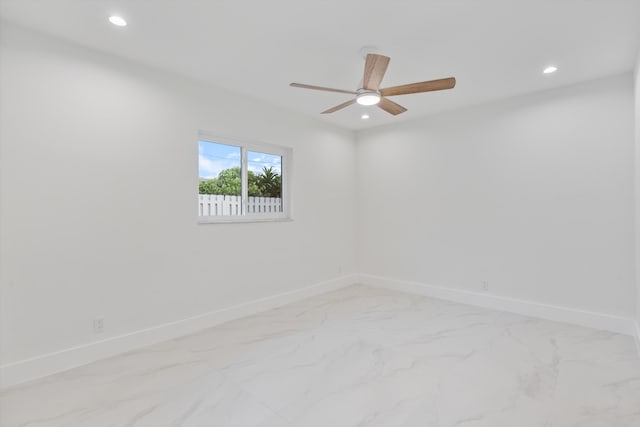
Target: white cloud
x=209, y=168
x=210, y=164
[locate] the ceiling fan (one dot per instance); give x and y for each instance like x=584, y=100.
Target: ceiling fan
x=370, y=93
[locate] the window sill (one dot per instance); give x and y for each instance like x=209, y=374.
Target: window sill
x=241, y=219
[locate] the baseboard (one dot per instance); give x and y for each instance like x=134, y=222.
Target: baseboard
x=556, y=313
x=637, y=335
x=59, y=361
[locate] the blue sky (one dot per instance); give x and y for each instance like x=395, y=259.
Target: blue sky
x=213, y=158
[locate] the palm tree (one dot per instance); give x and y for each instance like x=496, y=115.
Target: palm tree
x=270, y=182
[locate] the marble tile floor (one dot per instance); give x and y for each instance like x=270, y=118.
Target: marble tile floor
x=357, y=357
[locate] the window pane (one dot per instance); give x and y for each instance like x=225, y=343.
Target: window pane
x=220, y=186
x=265, y=183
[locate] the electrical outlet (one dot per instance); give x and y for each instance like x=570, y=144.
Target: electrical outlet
x=485, y=286
x=98, y=325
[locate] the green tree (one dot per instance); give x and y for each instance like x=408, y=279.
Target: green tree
x=207, y=187
x=253, y=184
x=270, y=182
x=228, y=183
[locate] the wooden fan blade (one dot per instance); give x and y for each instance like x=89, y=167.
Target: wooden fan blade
x=431, y=85
x=326, y=89
x=391, y=107
x=374, y=69
x=339, y=107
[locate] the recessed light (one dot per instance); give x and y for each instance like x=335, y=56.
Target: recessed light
x=364, y=116
x=118, y=21
x=550, y=69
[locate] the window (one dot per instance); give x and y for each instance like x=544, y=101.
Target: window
x=242, y=181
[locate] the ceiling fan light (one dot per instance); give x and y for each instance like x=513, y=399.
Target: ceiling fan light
x=368, y=98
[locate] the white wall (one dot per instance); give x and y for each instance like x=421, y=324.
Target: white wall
x=98, y=140
x=533, y=195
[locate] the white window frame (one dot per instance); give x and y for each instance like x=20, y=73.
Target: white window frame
x=245, y=146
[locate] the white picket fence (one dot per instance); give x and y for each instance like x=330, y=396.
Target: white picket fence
x=219, y=205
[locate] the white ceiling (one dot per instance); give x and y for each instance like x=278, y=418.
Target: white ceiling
x=495, y=48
